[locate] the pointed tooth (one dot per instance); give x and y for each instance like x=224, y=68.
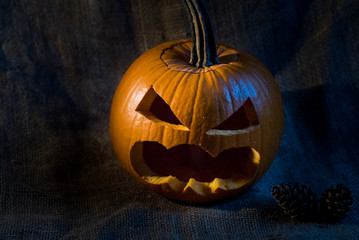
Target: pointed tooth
x=224, y=184
x=227, y=184
x=217, y=183
x=230, y=184
x=167, y=182
x=153, y=180
x=176, y=184
x=200, y=188
x=255, y=156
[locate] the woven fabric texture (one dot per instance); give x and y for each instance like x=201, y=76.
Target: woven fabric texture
x=60, y=64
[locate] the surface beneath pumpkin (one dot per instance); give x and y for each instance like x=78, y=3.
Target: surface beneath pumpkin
x=189, y=166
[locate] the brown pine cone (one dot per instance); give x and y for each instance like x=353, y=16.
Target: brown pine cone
x=296, y=200
x=335, y=202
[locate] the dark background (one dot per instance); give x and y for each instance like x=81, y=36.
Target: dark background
x=60, y=63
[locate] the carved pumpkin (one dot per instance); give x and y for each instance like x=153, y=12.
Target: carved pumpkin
x=194, y=121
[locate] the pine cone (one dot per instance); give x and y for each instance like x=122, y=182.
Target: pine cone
x=296, y=200
x=335, y=202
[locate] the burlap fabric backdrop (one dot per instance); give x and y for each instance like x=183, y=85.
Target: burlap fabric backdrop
x=60, y=63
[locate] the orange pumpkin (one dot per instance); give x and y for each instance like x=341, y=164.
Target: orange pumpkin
x=195, y=121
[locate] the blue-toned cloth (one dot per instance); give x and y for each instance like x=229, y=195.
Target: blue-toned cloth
x=60, y=64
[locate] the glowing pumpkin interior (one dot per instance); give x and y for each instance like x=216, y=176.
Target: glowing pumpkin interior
x=189, y=162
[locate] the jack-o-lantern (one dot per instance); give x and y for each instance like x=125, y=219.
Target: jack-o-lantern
x=195, y=121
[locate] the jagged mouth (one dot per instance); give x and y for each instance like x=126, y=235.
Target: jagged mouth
x=189, y=166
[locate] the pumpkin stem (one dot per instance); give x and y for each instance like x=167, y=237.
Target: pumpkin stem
x=204, y=50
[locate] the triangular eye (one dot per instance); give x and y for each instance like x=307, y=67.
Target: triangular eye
x=243, y=118
x=153, y=107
